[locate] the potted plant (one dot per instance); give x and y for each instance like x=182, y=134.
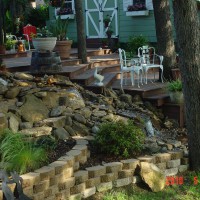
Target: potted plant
x=43, y=40
x=175, y=91
x=63, y=44
x=106, y=21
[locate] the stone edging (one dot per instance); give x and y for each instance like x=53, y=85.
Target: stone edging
x=62, y=179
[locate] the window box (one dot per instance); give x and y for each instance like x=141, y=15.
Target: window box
x=137, y=13
x=67, y=16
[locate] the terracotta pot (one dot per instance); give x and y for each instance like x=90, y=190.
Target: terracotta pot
x=63, y=48
x=2, y=49
x=44, y=44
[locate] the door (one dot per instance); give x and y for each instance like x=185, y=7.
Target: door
x=96, y=12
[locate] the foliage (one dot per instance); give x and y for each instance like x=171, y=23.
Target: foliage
x=135, y=42
x=59, y=28
x=56, y=3
x=47, y=142
x=120, y=138
x=10, y=44
x=42, y=33
x=137, y=7
x=174, y=86
x=38, y=16
x=19, y=154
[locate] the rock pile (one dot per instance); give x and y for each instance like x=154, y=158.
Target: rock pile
x=47, y=105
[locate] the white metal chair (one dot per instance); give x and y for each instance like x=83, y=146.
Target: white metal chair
x=129, y=66
x=148, y=57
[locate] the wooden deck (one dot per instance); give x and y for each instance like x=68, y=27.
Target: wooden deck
x=108, y=65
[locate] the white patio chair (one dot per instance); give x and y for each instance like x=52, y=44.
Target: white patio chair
x=148, y=58
x=129, y=66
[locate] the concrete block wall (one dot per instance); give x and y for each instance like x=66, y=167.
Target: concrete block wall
x=62, y=179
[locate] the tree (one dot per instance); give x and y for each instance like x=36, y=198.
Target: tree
x=164, y=35
x=187, y=31
x=82, y=53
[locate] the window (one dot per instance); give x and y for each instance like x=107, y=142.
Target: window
x=66, y=9
x=139, y=2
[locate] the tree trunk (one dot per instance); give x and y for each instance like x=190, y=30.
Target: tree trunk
x=164, y=35
x=187, y=30
x=82, y=53
x=1, y=23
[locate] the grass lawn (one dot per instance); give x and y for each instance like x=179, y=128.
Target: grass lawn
x=189, y=190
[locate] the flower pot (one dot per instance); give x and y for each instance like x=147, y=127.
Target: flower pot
x=44, y=44
x=63, y=48
x=176, y=97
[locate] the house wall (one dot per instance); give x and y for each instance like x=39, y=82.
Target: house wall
x=128, y=26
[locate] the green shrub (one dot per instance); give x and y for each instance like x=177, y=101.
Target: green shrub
x=134, y=43
x=19, y=154
x=120, y=138
x=175, y=86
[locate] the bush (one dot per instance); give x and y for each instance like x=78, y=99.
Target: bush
x=120, y=138
x=134, y=43
x=175, y=86
x=19, y=154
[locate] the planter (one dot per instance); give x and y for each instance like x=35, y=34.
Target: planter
x=176, y=97
x=44, y=44
x=63, y=48
x=137, y=13
x=2, y=49
x=67, y=16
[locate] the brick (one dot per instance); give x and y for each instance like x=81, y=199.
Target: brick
x=88, y=154
x=83, y=159
x=69, y=159
x=173, y=163
x=62, y=195
x=78, y=188
x=183, y=168
x=56, y=179
x=171, y=172
x=1, y=194
x=149, y=159
x=113, y=167
x=81, y=176
x=68, y=183
x=69, y=172
x=122, y=182
x=28, y=191
x=46, y=172
x=81, y=142
x=109, y=177
x=75, y=197
x=93, y=182
x=162, y=166
x=76, y=153
x=76, y=166
x=125, y=173
x=176, y=154
x=89, y=192
x=38, y=196
x=48, y=193
x=104, y=186
x=59, y=166
x=54, y=189
x=41, y=186
x=184, y=161
x=162, y=157
x=130, y=163
x=50, y=198
x=82, y=148
x=12, y=186
x=30, y=179
x=96, y=171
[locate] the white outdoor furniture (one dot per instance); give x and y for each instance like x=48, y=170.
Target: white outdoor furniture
x=129, y=66
x=148, y=58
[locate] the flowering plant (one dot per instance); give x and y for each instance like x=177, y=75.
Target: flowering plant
x=64, y=11
x=56, y=3
x=137, y=7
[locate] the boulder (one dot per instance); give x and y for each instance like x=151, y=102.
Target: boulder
x=23, y=76
x=80, y=118
x=61, y=134
x=152, y=176
x=127, y=98
x=80, y=129
x=57, y=111
x=37, y=131
x=33, y=110
x=12, y=93
x=3, y=89
x=3, y=121
x=13, y=123
x=70, y=130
